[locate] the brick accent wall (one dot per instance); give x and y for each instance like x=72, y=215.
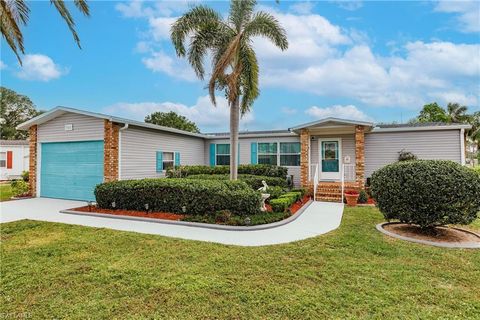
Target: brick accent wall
x=32, y=170
x=304, y=151
x=110, y=152
x=360, y=156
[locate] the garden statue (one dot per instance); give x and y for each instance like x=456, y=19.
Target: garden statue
x=265, y=195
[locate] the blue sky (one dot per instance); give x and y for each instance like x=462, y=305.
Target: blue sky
x=378, y=61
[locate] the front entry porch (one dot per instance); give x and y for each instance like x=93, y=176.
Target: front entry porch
x=332, y=157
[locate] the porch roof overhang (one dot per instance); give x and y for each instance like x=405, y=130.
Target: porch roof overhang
x=332, y=125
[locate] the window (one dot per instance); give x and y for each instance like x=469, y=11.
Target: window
x=289, y=153
x=168, y=160
x=3, y=159
x=267, y=153
x=222, y=154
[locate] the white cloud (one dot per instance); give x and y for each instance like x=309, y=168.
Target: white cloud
x=350, y=5
x=350, y=112
x=161, y=62
x=203, y=113
x=302, y=7
x=40, y=67
x=467, y=13
x=2, y=65
x=288, y=110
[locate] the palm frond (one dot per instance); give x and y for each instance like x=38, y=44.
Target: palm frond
x=226, y=60
x=13, y=13
x=249, y=79
x=241, y=12
x=65, y=14
x=192, y=21
x=82, y=6
x=266, y=25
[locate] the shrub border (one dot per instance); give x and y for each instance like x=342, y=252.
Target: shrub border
x=462, y=245
x=197, y=224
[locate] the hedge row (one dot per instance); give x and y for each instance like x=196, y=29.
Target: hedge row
x=255, y=182
x=282, y=203
x=201, y=197
x=428, y=193
x=253, y=169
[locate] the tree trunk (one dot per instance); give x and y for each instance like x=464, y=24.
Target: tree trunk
x=234, y=124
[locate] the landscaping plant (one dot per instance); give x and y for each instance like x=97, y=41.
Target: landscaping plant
x=362, y=196
x=427, y=193
x=204, y=197
x=255, y=182
x=253, y=169
x=20, y=188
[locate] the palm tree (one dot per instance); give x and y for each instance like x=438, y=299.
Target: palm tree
x=457, y=113
x=14, y=13
x=234, y=62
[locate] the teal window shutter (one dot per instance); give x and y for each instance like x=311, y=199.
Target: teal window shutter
x=159, y=161
x=212, y=154
x=253, y=153
x=177, y=158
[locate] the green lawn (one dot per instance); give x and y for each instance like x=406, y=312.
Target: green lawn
x=5, y=191
x=61, y=271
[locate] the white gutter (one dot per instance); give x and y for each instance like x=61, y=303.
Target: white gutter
x=125, y=127
x=427, y=128
x=462, y=146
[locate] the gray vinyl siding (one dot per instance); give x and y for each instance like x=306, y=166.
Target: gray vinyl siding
x=138, y=149
x=84, y=128
x=348, y=148
x=382, y=148
x=245, y=151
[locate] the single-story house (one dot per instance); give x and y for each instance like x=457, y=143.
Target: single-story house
x=72, y=150
x=14, y=158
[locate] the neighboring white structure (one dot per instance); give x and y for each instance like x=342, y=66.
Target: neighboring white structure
x=14, y=158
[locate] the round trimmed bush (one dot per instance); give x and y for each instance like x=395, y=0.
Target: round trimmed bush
x=427, y=193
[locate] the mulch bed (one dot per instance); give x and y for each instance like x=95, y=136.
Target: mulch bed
x=443, y=234
x=297, y=205
x=166, y=215
x=132, y=213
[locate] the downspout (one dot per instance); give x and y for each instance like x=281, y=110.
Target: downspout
x=125, y=127
x=462, y=146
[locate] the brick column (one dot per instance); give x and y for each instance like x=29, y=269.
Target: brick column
x=360, y=156
x=32, y=165
x=110, y=152
x=304, y=150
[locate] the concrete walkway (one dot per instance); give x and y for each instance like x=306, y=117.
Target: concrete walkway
x=317, y=219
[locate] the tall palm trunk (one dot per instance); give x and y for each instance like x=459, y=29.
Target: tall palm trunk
x=234, y=124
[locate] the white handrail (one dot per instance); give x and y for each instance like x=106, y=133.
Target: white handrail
x=315, y=183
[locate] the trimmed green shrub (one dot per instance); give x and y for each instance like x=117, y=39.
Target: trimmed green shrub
x=295, y=196
x=362, y=197
x=253, y=169
x=255, y=182
x=427, y=193
x=274, y=192
x=179, y=196
x=19, y=188
x=476, y=169
x=303, y=191
x=281, y=204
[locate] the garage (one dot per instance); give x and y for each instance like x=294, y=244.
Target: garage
x=71, y=170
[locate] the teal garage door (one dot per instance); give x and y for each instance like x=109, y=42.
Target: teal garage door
x=71, y=170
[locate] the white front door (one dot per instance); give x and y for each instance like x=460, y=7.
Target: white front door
x=330, y=158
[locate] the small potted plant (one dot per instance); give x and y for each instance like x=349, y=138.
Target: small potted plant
x=352, y=197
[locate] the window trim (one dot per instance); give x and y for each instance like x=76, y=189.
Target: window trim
x=222, y=154
x=5, y=160
x=263, y=154
x=290, y=154
x=279, y=153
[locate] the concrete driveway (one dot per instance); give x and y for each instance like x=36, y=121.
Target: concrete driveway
x=317, y=219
